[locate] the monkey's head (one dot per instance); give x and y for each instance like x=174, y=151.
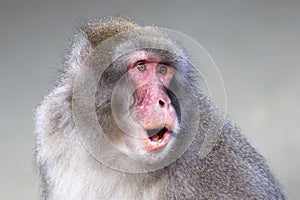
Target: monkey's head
x=132, y=97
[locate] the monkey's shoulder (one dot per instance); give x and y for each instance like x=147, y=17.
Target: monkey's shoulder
x=233, y=169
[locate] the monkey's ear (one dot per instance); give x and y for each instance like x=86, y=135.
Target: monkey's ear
x=84, y=52
x=77, y=52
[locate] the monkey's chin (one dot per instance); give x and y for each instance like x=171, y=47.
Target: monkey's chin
x=157, y=142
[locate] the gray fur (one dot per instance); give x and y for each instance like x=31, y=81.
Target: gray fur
x=232, y=170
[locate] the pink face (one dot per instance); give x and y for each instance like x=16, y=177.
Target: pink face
x=153, y=109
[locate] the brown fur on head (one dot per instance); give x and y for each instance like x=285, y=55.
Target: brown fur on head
x=99, y=30
x=90, y=35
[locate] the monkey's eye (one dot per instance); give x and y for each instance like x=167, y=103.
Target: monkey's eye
x=141, y=67
x=162, y=69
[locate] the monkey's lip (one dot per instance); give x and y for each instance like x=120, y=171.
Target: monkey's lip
x=158, y=138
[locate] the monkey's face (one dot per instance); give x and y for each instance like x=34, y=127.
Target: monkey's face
x=141, y=115
x=152, y=108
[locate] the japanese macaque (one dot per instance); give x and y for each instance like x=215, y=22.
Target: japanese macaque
x=127, y=120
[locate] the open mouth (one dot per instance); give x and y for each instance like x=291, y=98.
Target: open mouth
x=157, y=139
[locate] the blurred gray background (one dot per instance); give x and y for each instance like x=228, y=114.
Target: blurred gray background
x=256, y=45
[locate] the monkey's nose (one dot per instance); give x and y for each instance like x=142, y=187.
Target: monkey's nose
x=164, y=103
x=161, y=103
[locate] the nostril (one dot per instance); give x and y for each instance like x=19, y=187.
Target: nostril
x=161, y=103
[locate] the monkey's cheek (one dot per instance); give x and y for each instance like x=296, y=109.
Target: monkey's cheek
x=156, y=145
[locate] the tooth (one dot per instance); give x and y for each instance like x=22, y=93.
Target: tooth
x=153, y=131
